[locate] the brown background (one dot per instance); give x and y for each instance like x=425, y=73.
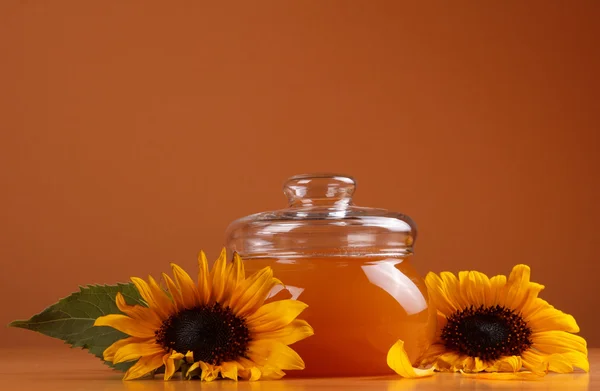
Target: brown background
x=132, y=133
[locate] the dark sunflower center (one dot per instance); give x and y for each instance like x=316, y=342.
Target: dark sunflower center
x=213, y=333
x=487, y=332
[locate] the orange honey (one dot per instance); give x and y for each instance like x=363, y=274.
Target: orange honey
x=358, y=307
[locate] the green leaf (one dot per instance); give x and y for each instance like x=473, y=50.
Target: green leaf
x=72, y=318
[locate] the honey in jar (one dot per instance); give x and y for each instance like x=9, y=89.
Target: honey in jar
x=351, y=265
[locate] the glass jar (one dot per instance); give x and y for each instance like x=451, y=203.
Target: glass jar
x=351, y=265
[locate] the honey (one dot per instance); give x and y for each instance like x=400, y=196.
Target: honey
x=358, y=308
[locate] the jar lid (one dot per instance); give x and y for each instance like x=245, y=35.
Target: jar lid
x=321, y=220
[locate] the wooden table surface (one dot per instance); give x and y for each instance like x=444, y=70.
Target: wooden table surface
x=67, y=369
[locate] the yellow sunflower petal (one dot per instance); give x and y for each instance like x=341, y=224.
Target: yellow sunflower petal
x=129, y=326
x=438, y=295
x=138, y=312
x=449, y=361
x=275, y=354
x=244, y=373
x=144, y=366
x=468, y=290
x=515, y=292
x=275, y=315
x=452, y=290
x=530, y=300
x=209, y=372
x=497, y=284
x=549, y=319
x=506, y=364
x=144, y=291
x=133, y=351
x=557, y=363
x=434, y=351
x=229, y=370
x=478, y=288
x=473, y=364
x=203, y=282
x=175, y=293
x=259, y=351
x=248, y=370
x=550, y=342
x=510, y=364
x=479, y=365
x=152, y=297
x=218, y=276
x=284, y=357
x=467, y=364
x=235, y=272
x=271, y=373
x=245, y=283
x=255, y=374
x=253, y=292
x=164, y=305
x=577, y=360
x=397, y=359
x=109, y=352
x=251, y=373
x=535, y=362
x=191, y=369
x=293, y=332
x=534, y=307
x=186, y=286
x=170, y=364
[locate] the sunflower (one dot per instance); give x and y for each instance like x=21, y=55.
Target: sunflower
x=219, y=327
x=495, y=325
